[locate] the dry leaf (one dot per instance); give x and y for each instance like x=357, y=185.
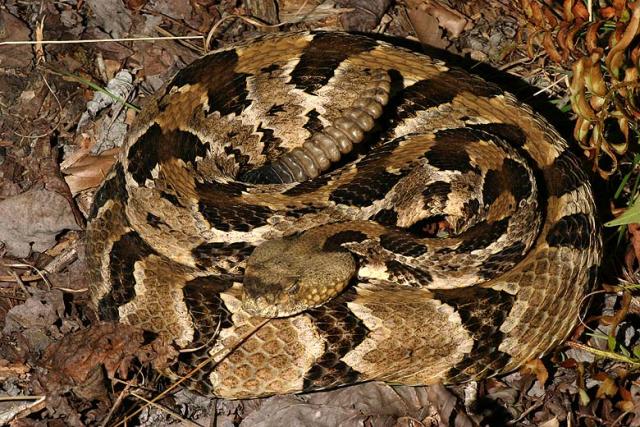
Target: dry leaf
x=553, y=422
x=537, y=368
x=449, y=19
x=73, y=360
x=87, y=170
x=39, y=37
x=607, y=388
x=32, y=220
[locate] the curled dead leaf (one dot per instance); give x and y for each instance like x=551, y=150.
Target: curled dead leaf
x=89, y=170
x=537, y=368
x=72, y=360
x=616, y=55
x=550, y=48
x=577, y=87
x=607, y=388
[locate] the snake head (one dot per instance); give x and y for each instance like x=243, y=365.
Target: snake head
x=287, y=276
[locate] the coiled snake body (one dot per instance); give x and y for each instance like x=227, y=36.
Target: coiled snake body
x=394, y=218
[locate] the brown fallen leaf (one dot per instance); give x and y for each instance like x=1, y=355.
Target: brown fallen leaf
x=85, y=170
x=135, y=4
x=80, y=360
x=31, y=221
x=12, y=370
x=537, y=368
x=553, y=422
x=373, y=404
x=425, y=13
x=14, y=408
x=607, y=387
x=365, y=14
x=427, y=28
x=39, y=311
x=322, y=13
x=112, y=16
x=626, y=404
x=18, y=56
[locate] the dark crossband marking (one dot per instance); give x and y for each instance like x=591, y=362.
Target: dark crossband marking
x=482, y=311
x=313, y=124
x=574, y=231
x=436, y=193
x=113, y=188
x=155, y=147
x=207, y=254
x=128, y=250
x=564, y=175
x=208, y=310
x=276, y=109
x=482, y=235
x=267, y=137
x=404, y=274
x=471, y=208
x=270, y=69
x=322, y=57
x=171, y=199
x=402, y=244
x=223, y=212
x=155, y=221
x=298, y=212
x=448, y=152
x=438, y=90
x=309, y=186
x=510, y=133
x=334, y=242
x=502, y=261
x=231, y=188
x=513, y=178
x=241, y=158
x=226, y=90
x=365, y=189
x=209, y=315
x=387, y=217
x=225, y=217
x=342, y=331
x=368, y=186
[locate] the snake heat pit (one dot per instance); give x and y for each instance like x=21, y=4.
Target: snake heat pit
x=298, y=177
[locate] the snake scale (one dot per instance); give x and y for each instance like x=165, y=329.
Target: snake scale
x=324, y=209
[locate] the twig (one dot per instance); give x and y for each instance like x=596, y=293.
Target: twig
x=124, y=393
x=41, y=274
x=20, y=283
x=167, y=410
x=604, y=353
x=124, y=39
x=38, y=399
x=25, y=278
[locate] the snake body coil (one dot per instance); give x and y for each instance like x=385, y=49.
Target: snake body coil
x=395, y=219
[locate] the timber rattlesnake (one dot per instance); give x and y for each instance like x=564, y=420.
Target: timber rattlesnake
x=337, y=156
